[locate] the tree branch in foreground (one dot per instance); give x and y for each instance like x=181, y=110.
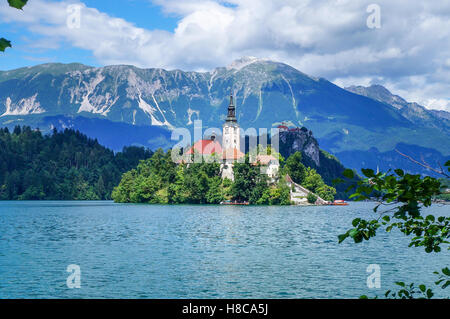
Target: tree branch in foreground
x=424, y=164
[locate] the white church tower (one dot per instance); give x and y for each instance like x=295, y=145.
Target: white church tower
x=231, y=136
x=231, y=141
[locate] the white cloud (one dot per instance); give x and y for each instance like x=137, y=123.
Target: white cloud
x=327, y=38
x=438, y=104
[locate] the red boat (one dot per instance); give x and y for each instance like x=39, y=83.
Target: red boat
x=340, y=203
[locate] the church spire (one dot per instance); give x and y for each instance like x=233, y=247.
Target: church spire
x=231, y=117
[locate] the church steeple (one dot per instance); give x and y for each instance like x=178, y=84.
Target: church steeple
x=231, y=117
x=231, y=141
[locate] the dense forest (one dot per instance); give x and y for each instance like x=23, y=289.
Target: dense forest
x=158, y=180
x=64, y=165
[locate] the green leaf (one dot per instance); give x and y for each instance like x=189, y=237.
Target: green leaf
x=4, y=44
x=353, y=232
x=363, y=297
x=422, y=288
x=447, y=283
x=400, y=283
x=430, y=293
x=446, y=271
x=342, y=237
x=356, y=221
x=399, y=172
x=365, y=235
x=368, y=172
x=358, y=238
x=18, y=4
x=348, y=173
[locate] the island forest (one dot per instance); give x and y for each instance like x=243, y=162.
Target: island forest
x=160, y=180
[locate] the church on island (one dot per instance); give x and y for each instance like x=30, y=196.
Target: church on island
x=229, y=151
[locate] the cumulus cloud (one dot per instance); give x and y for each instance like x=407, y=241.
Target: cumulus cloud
x=327, y=38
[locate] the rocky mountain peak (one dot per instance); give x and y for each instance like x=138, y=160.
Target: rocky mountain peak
x=414, y=112
x=245, y=61
x=379, y=93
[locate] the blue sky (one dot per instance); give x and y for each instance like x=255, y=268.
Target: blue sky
x=142, y=13
x=409, y=53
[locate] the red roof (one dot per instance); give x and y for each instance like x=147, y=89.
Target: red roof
x=265, y=159
x=205, y=147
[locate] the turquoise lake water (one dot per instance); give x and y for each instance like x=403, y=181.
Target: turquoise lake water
x=146, y=251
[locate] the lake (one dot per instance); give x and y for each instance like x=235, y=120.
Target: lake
x=148, y=251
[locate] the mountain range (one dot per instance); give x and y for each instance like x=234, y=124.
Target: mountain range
x=414, y=112
x=122, y=105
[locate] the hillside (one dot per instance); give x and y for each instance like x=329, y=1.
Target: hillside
x=328, y=166
x=65, y=165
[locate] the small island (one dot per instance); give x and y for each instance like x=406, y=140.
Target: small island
x=224, y=175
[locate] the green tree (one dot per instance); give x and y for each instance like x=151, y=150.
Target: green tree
x=214, y=194
x=226, y=185
x=159, y=180
x=83, y=191
x=280, y=195
x=245, y=179
x=122, y=193
x=295, y=168
x=100, y=188
x=265, y=198
x=258, y=190
x=177, y=193
x=311, y=198
x=312, y=180
x=326, y=192
x=400, y=198
x=34, y=166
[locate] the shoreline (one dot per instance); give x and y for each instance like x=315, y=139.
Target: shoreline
x=151, y=204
